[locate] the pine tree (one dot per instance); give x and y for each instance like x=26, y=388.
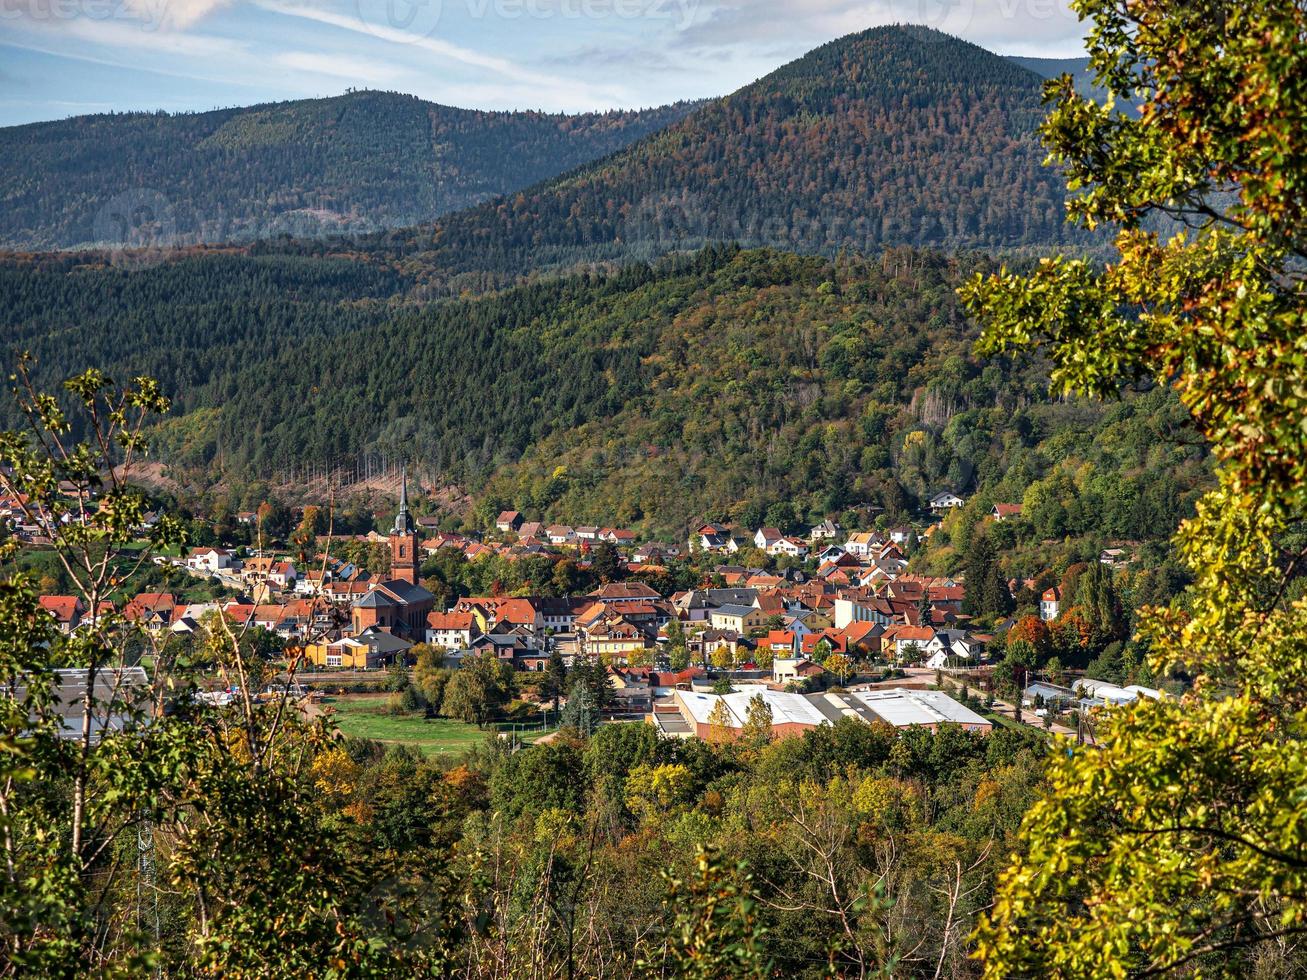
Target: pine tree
x=555, y=676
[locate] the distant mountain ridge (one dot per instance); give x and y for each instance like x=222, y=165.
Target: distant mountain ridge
x=894, y=136
x=354, y=163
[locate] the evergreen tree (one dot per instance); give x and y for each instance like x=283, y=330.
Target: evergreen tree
x=987, y=592
x=555, y=680
x=606, y=563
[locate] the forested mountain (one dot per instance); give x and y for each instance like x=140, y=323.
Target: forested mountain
x=897, y=135
x=1077, y=68
x=728, y=383
x=354, y=163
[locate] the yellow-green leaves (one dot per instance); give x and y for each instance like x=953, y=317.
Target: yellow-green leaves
x=1180, y=842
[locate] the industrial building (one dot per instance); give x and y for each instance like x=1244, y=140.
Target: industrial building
x=689, y=713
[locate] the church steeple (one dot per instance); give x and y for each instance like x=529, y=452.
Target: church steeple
x=404, y=539
x=403, y=520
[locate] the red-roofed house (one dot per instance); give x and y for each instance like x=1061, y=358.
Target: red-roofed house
x=451, y=630
x=152, y=609
x=67, y=610
x=1050, y=604
x=836, y=639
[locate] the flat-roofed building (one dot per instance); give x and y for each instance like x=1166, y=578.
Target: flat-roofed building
x=903, y=708
x=793, y=714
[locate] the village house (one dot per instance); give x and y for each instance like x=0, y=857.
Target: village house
x=793, y=547
x=1006, y=512
x=872, y=609
x=153, y=610
x=1050, y=604
x=739, y=618
x=614, y=639
x=211, y=561
x=560, y=534
x=911, y=643
x=827, y=530
x=860, y=544
x=946, y=500
x=67, y=610
x=508, y=521
x=713, y=537
x=283, y=575
x=373, y=649
x=452, y=630
x=624, y=592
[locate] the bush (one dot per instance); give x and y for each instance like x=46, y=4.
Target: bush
x=405, y=702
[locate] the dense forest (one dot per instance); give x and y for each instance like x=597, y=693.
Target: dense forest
x=740, y=384
x=353, y=163
x=897, y=135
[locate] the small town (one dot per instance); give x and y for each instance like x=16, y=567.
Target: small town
x=832, y=625
x=770, y=490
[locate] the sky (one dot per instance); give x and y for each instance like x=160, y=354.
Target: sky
x=62, y=58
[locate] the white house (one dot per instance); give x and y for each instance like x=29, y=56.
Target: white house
x=946, y=500
x=850, y=611
x=713, y=537
x=283, y=574
x=862, y=543
x=765, y=537
x=560, y=534
x=827, y=530
x=793, y=547
x=211, y=561
x=832, y=552
x=452, y=630
x=1050, y=604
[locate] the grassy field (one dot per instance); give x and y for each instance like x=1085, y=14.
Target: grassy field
x=365, y=716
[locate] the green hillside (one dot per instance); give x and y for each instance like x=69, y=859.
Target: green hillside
x=728, y=383
x=898, y=135
x=354, y=163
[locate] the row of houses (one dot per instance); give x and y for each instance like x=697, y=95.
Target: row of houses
x=512, y=522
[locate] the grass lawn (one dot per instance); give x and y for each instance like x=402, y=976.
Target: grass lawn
x=365, y=717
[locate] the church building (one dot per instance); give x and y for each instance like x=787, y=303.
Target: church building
x=400, y=604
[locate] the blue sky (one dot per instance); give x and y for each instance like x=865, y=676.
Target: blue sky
x=68, y=57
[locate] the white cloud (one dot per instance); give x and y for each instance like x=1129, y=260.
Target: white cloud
x=1033, y=26
x=353, y=70
x=552, y=90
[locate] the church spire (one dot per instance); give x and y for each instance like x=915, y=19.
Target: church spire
x=404, y=540
x=403, y=520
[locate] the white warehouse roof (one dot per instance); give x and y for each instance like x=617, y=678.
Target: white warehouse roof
x=1105, y=691
x=786, y=708
x=901, y=707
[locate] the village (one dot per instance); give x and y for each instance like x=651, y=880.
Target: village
x=836, y=628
